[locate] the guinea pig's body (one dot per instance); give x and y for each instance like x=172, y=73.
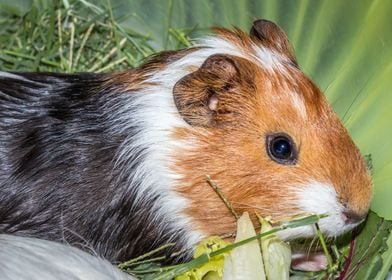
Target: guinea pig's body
x=119, y=162
x=83, y=162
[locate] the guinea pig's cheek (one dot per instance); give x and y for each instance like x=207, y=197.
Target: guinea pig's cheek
x=319, y=198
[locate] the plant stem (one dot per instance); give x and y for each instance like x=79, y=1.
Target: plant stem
x=142, y=257
x=325, y=249
x=146, y=261
x=222, y=196
x=84, y=40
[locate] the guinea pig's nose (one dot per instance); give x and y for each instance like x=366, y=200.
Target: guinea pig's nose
x=351, y=217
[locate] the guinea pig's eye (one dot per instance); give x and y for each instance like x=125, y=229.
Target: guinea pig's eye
x=281, y=148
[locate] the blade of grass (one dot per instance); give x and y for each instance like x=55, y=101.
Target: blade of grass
x=325, y=248
x=111, y=65
x=71, y=46
x=60, y=39
x=108, y=56
x=26, y=56
x=84, y=40
x=144, y=256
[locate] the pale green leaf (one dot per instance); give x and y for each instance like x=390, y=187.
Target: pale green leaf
x=276, y=254
x=244, y=262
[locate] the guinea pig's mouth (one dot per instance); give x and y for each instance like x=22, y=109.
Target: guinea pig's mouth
x=321, y=198
x=330, y=226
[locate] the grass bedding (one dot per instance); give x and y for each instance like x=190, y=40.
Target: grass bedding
x=77, y=37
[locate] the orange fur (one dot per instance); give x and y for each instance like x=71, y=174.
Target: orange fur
x=228, y=143
x=232, y=150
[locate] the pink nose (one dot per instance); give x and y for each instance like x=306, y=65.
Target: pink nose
x=351, y=217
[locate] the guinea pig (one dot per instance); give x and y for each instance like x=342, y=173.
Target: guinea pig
x=24, y=258
x=119, y=161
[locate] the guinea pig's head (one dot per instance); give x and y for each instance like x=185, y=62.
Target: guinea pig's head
x=267, y=136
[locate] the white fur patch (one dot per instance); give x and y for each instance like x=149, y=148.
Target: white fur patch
x=25, y=258
x=298, y=104
x=319, y=198
x=265, y=57
x=269, y=59
x=153, y=111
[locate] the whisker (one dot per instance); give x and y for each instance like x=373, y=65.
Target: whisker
x=310, y=246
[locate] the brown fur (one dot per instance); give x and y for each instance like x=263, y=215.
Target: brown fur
x=270, y=35
x=229, y=144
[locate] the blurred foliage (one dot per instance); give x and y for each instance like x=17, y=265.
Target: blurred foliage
x=345, y=46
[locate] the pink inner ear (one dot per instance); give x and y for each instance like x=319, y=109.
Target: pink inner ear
x=315, y=261
x=213, y=102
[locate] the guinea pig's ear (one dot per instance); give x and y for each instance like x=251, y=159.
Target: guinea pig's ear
x=270, y=35
x=202, y=97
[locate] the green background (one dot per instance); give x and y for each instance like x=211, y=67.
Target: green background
x=345, y=46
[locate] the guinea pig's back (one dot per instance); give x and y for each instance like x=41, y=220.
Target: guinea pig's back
x=55, y=156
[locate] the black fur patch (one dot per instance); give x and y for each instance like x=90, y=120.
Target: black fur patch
x=57, y=175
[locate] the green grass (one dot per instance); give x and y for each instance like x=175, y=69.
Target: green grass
x=73, y=36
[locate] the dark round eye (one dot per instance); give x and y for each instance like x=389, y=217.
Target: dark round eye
x=281, y=148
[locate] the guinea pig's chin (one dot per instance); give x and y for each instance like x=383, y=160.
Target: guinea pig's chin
x=319, y=198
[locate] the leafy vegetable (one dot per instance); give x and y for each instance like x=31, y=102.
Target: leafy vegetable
x=157, y=272
x=368, y=250
x=276, y=253
x=211, y=270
